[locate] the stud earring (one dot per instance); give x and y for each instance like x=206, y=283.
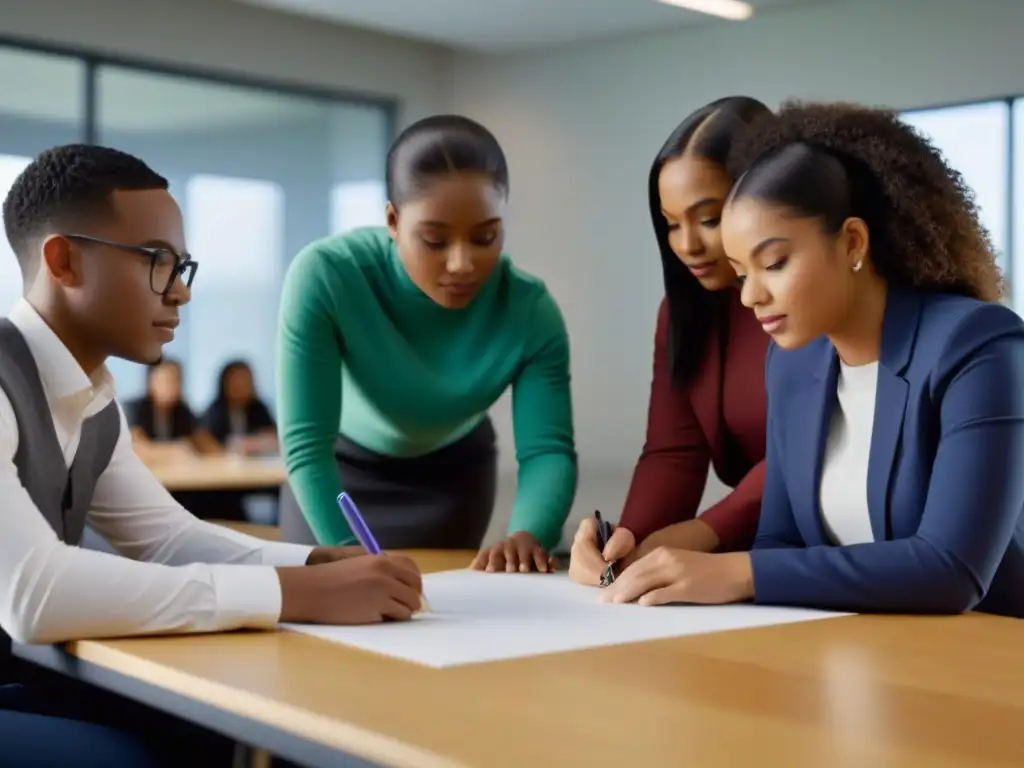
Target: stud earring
x=858, y=265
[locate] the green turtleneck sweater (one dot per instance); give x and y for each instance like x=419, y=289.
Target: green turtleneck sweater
x=364, y=352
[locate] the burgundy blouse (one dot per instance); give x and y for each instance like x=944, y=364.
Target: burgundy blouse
x=716, y=420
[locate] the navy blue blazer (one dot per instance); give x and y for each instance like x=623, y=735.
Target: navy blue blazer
x=945, y=474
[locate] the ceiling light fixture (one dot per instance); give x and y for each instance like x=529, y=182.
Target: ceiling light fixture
x=736, y=10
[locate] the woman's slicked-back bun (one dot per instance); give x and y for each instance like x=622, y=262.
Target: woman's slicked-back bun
x=438, y=146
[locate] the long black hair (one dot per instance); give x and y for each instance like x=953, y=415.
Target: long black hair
x=708, y=133
x=152, y=368
x=221, y=398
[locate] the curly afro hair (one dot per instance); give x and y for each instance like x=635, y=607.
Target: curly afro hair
x=64, y=187
x=836, y=161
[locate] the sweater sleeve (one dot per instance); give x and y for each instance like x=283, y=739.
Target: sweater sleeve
x=309, y=358
x=542, y=419
x=672, y=471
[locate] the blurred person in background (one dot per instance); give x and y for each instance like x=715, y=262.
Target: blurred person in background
x=163, y=426
x=165, y=430
x=237, y=418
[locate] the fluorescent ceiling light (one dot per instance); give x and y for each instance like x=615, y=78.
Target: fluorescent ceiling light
x=737, y=10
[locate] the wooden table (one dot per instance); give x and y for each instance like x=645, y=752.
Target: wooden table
x=855, y=692
x=268, y=532
x=220, y=473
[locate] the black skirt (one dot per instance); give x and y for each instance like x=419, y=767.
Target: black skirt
x=442, y=500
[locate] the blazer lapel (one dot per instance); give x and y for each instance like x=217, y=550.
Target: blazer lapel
x=807, y=422
x=899, y=330
x=890, y=402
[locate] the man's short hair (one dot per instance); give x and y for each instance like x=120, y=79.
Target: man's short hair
x=62, y=188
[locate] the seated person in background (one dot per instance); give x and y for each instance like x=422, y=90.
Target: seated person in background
x=895, y=381
x=162, y=424
x=707, y=407
x=237, y=418
x=100, y=243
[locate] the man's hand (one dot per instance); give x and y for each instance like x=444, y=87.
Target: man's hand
x=321, y=555
x=519, y=553
x=354, y=590
x=587, y=563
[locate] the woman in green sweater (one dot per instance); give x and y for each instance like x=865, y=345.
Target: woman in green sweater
x=393, y=344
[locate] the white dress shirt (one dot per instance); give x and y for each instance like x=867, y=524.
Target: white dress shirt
x=844, y=475
x=178, y=574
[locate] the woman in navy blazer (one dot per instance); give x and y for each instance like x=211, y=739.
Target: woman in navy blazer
x=895, y=381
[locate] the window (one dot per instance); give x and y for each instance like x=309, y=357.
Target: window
x=357, y=204
x=40, y=106
x=359, y=148
x=257, y=175
x=1017, y=214
x=235, y=231
x=10, y=272
x=975, y=141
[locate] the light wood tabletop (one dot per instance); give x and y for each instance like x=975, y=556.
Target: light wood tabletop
x=850, y=692
x=268, y=532
x=219, y=473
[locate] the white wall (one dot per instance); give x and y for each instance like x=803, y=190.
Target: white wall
x=582, y=124
x=233, y=38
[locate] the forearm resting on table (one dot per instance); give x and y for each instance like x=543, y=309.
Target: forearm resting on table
x=734, y=519
x=665, y=490
x=695, y=535
x=65, y=593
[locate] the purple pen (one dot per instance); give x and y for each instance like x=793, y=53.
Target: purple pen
x=357, y=524
x=362, y=533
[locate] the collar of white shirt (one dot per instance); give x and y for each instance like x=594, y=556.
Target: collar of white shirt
x=72, y=394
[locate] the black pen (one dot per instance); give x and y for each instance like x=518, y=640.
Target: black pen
x=604, y=533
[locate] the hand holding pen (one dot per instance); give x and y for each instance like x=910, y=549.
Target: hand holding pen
x=338, y=586
x=597, y=549
x=362, y=532
x=352, y=590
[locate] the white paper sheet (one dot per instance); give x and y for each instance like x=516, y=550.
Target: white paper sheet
x=481, y=617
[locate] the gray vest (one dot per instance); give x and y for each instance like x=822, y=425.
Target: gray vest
x=63, y=496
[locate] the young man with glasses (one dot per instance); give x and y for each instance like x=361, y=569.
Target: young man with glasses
x=101, y=246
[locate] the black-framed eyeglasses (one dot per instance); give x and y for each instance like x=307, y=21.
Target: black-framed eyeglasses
x=165, y=266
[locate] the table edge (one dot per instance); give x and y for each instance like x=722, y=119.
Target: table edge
x=308, y=739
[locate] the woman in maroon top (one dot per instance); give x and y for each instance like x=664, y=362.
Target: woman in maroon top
x=707, y=406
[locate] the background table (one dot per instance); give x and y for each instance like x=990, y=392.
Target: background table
x=855, y=692
x=220, y=473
